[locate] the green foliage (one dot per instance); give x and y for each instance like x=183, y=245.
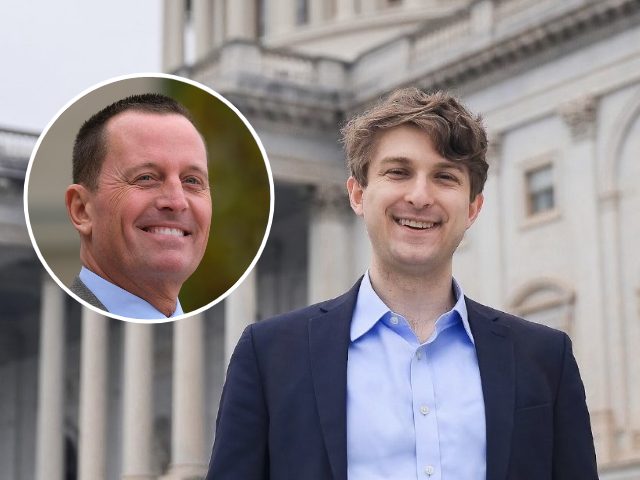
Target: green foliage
x=240, y=195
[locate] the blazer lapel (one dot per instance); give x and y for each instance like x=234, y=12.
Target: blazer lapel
x=328, y=346
x=494, y=348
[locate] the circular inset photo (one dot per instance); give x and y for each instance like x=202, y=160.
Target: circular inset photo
x=149, y=198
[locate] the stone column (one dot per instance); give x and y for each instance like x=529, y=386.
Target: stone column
x=188, y=458
x=173, y=35
x=614, y=340
x=369, y=6
x=219, y=27
x=346, y=9
x=241, y=19
x=203, y=22
x=489, y=230
x=281, y=17
x=240, y=310
x=361, y=247
x=317, y=11
x=330, y=243
x=93, y=396
x=49, y=430
x=137, y=402
x=580, y=116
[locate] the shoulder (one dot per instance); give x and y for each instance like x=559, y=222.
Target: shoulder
x=300, y=317
x=291, y=331
x=512, y=322
x=293, y=318
x=77, y=286
x=528, y=336
x=81, y=290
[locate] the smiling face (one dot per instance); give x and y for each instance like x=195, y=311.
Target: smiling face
x=148, y=221
x=416, y=204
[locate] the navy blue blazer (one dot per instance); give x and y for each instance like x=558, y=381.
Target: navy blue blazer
x=283, y=409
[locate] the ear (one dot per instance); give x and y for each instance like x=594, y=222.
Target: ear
x=78, y=201
x=355, y=195
x=474, y=209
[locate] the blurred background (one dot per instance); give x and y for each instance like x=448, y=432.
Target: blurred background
x=558, y=85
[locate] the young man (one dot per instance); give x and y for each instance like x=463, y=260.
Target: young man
x=403, y=377
x=141, y=204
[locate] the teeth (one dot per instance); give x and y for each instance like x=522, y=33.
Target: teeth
x=415, y=223
x=176, y=232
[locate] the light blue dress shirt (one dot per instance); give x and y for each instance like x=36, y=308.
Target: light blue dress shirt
x=414, y=411
x=120, y=302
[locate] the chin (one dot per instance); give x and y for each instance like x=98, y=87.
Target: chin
x=177, y=269
x=416, y=264
x=415, y=258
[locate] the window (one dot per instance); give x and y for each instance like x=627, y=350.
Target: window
x=261, y=15
x=302, y=12
x=546, y=301
x=540, y=192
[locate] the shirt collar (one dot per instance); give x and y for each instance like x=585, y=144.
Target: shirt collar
x=370, y=309
x=121, y=302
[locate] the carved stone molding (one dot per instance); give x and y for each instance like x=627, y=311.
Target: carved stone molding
x=286, y=108
x=313, y=92
x=580, y=116
x=520, y=48
x=331, y=200
x=545, y=299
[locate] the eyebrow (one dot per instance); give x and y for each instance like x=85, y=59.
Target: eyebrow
x=402, y=160
x=406, y=161
x=449, y=164
x=142, y=166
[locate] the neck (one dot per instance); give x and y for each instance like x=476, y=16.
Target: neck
x=161, y=294
x=420, y=297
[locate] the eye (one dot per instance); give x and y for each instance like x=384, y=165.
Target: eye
x=193, y=180
x=144, y=178
x=448, y=177
x=396, y=173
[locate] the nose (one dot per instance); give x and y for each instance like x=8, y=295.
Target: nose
x=419, y=193
x=172, y=196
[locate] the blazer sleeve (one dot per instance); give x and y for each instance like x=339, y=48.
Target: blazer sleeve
x=240, y=449
x=573, y=451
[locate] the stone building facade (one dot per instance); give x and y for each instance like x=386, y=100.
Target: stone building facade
x=558, y=84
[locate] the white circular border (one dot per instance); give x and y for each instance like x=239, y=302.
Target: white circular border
x=210, y=91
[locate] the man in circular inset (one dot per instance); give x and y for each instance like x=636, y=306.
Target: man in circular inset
x=141, y=204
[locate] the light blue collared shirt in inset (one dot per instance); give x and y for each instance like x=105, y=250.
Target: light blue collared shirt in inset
x=414, y=411
x=120, y=302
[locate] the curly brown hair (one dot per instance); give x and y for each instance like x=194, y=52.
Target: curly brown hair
x=456, y=133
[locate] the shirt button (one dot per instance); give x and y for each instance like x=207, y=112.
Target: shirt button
x=418, y=354
x=424, y=410
x=394, y=320
x=429, y=470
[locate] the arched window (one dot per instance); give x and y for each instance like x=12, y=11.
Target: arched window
x=546, y=301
